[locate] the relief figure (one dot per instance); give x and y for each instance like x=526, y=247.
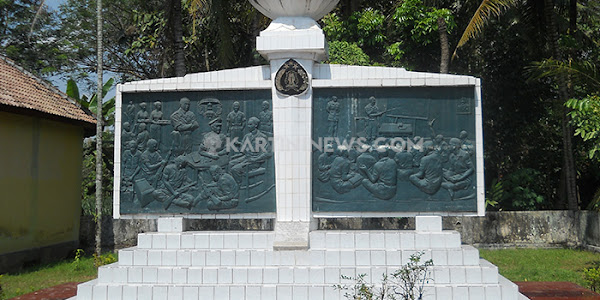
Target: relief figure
x=131, y=160
x=151, y=161
x=221, y=192
x=342, y=178
x=254, y=152
x=142, y=115
x=324, y=163
x=143, y=136
x=457, y=176
x=175, y=186
x=429, y=176
x=404, y=161
x=126, y=133
x=333, y=111
x=381, y=179
x=184, y=123
x=157, y=121
x=373, y=114
x=236, y=121
x=266, y=119
x=466, y=144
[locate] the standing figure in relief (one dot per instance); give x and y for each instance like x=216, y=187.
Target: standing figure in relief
x=236, y=121
x=184, y=123
x=266, y=119
x=373, y=114
x=131, y=166
x=333, y=111
x=142, y=115
x=156, y=121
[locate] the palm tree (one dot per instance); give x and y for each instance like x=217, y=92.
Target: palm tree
x=99, y=128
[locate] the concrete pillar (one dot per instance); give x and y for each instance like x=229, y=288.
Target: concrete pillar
x=300, y=39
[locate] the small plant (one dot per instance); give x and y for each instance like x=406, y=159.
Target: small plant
x=408, y=283
x=591, y=276
x=360, y=290
x=494, y=195
x=1, y=291
x=104, y=259
x=77, y=259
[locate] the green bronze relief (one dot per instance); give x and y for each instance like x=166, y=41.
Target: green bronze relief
x=394, y=150
x=197, y=152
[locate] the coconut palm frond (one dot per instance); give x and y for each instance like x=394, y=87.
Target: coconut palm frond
x=486, y=10
x=196, y=9
x=582, y=73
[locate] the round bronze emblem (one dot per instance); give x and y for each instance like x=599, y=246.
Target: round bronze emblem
x=291, y=79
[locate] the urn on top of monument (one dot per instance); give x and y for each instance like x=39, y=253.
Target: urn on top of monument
x=314, y=9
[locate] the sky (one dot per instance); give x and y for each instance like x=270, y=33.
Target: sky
x=53, y=4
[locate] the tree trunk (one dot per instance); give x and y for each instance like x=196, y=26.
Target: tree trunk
x=99, y=127
x=569, y=171
x=178, y=36
x=444, y=46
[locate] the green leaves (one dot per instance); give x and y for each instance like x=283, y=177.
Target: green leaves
x=347, y=54
x=585, y=117
x=421, y=20
x=487, y=9
x=108, y=107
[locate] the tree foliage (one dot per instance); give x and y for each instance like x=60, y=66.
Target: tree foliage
x=39, y=49
x=515, y=55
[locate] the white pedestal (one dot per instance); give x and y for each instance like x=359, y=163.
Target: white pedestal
x=243, y=265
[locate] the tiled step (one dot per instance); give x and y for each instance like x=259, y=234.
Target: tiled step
x=362, y=240
x=465, y=255
x=282, y=275
x=95, y=291
x=383, y=239
x=207, y=240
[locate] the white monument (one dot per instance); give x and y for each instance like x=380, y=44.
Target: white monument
x=295, y=261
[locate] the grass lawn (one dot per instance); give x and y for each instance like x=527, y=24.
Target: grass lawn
x=542, y=264
x=41, y=277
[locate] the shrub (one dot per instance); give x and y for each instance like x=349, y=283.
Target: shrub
x=104, y=259
x=591, y=276
x=408, y=282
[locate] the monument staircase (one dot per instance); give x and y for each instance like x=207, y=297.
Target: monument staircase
x=171, y=264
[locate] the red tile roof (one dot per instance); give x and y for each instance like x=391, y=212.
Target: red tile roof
x=23, y=90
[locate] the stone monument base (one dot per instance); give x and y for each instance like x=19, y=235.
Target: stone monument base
x=243, y=265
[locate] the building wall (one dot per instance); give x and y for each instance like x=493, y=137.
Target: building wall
x=40, y=182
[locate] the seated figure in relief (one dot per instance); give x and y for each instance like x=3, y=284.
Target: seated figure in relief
x=254, y=151
x=458, y=175
x=175, y=187
x=429, y=176
x=221, y=192
x=381, y=179
x=341, y=176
